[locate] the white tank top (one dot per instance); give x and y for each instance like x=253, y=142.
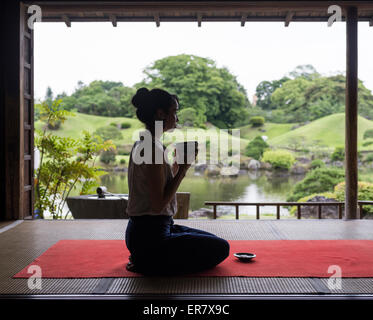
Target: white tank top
x=138, y=194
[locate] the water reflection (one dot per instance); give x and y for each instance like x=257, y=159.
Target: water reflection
x=252, y=186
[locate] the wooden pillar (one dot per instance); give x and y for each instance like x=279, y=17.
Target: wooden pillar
x=10, y=118
x=351, y=169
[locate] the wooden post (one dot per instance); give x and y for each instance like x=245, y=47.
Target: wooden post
x=257, y=212
x=215, y=211
x=340, y=211
x=351, y=114
x=278, y=212
x=298, y=211
x=319, y=211
x=237, y=212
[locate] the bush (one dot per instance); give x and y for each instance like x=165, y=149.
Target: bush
x=368, y=134
x=367, y=143
x=257, y=121
x=109, y=133
x=256, y=147
x=188, y=117
x=317, y=163
x=113, y=124
x=54, y=125
x=365, y=193
x=125, y=125
x=122, y=161
x=338, y=154
x=369, y=158
x=328, y=195
x=107, y=156
x=317, y=181
x=279, y=159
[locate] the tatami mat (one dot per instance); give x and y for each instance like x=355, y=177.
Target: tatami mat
x=24, y=242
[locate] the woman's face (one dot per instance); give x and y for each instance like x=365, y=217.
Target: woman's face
x=171, y=118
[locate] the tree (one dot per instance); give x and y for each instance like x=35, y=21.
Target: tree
x=213, y=92
x=306, y=71
x=264, y=92
x=256, y=147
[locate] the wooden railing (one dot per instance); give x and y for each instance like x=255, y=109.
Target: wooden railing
x=299, y=205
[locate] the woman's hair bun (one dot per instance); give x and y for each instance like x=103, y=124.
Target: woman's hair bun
x=141, y=98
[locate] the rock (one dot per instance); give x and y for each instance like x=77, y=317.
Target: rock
x=265, y=166
x=298, y=170
x=326, y=211
x=253, y=164
x=212, y=170
x=200, y=167
x=338, y=164
x=202, y=212
x=229, y=171
x=303, y=160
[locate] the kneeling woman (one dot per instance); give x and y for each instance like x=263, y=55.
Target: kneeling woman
x=157, y=245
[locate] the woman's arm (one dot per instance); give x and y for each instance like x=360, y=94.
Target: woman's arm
x=160, y=192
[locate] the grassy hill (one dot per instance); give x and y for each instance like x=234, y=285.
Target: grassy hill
x=328, y=131
x=74, y=126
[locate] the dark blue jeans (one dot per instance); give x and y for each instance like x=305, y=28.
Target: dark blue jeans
x=159, y=247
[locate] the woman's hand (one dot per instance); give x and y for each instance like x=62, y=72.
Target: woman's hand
x=183, y=167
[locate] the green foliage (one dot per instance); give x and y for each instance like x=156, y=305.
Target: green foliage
x=279, y=159
x=109, y=133
x=188, y=117
x=105, y=98
x=256, y=121
x=365, y=193
x=317, y=163
x=64, y=162
x=368, y=134
x=55, y=126
x=122, y=161
x=256, y=147
x=369, y=158
x=108, y=156
x=125, y=125
x=113, y=124
x=264, y=92
x=214, y=93
x=338, y=154
x=317, y=181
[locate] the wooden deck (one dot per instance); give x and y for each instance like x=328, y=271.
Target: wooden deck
x=23, y=241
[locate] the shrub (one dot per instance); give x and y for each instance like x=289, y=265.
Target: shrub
x=122, y=161
x=188, y=117
x=365, y=192
x=368, y=134
x=279, y=159
x=256, y=121
x=54, y=125
x=317, y=163
x=369, y=158
x=107, y=156
x=338, y=154
x=125, y=125
x=113, y=124
x=109, y=133
x=367, y=143
x=256, y=147
x=317, y=181
x=328, y=195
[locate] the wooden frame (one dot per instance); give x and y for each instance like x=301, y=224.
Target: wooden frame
x=17, y=160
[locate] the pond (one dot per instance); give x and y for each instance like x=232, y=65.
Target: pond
x=252, y=186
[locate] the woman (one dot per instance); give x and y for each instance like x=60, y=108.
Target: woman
x=156, y=244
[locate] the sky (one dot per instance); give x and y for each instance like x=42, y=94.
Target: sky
x=258, y=51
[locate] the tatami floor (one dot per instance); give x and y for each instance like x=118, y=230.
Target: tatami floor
x=23, y=241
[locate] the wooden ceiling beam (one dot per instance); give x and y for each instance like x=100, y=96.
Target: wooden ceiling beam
x=113, y=19
x=67, y=20
x=288, y=18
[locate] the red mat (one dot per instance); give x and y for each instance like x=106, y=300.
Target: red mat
x=275, y=258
